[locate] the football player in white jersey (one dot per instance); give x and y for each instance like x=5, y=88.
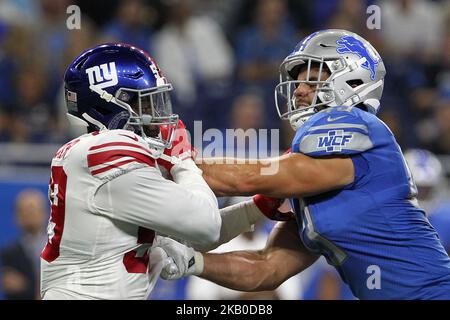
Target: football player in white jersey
x=107, y=191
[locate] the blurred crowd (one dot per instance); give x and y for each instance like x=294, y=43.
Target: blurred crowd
x=215, y=52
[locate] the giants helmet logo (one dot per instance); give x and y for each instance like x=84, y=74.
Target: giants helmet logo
x=104, y=76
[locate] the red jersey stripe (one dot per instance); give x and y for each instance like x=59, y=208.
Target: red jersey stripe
x=96, y=159
x=58, y=184
x=118, y=144
x=116, y=165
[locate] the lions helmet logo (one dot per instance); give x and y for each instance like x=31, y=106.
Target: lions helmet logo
x=349, y=44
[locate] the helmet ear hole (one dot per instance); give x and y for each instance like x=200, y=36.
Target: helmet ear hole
x=355, y=83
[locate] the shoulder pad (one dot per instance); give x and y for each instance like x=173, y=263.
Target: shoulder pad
x=338, y=130
x=116, y=151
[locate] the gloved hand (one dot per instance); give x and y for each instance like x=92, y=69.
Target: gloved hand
x=181, y=147
x=186, y=261
x=269, y=207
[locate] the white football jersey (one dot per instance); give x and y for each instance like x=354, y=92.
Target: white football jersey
x=108, y=198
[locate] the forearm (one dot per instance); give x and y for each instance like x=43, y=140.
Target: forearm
x=240, y=270
x=234, y=177
x=283, y=257
x=287, y=176
x=261, y=270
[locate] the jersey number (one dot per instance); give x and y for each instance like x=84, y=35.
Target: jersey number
x=57, y=197
x=136, y=261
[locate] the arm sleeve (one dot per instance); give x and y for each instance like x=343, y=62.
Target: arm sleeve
x=236, y=219
x=186, y=210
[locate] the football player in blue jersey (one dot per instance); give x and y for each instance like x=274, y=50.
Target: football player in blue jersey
x=348, y=183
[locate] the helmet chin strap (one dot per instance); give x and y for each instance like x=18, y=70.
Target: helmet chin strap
x=93, y=121
x=103, y=94
x=298, y=119
x=110, y=98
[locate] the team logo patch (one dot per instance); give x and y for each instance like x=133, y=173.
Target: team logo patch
x=334, y=141
x=349, y=44
x=103, y=76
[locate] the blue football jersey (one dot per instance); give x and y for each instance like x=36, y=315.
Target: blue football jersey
x=372, y=230
x=318, y=272
x=440, y=220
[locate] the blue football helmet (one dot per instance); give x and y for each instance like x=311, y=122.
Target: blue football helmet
x=119, y=86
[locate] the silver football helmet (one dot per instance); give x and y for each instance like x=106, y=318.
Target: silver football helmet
x=425, y=167
x=428, y=175
x=356, y=74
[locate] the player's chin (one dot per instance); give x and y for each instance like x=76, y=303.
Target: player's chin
x=151, y=131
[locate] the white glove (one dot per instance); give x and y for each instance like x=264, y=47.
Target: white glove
x=158, y=260
x=186, y=261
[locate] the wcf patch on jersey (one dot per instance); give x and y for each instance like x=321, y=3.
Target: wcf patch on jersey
x=335, y=140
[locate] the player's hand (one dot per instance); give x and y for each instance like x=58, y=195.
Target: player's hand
x=181, y=147
x=270, y=208
x=186, y=261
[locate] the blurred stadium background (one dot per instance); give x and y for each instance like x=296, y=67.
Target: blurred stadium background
x=222, y=57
